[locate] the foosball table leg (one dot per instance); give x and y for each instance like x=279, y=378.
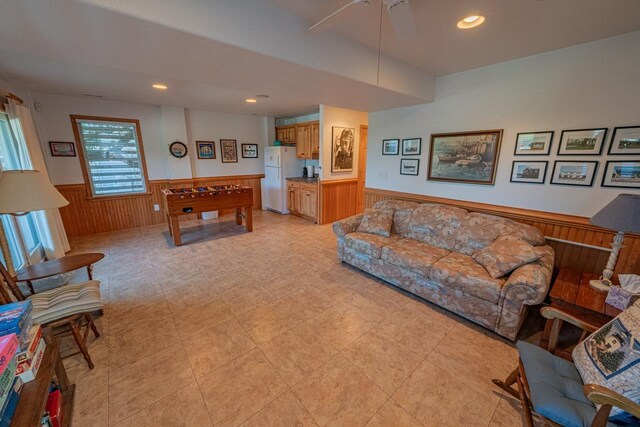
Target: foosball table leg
x=174, y=227
x=249, y=217
x=239, y=216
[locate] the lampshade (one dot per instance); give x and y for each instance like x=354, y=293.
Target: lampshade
x=27, y=191
x=621, y=214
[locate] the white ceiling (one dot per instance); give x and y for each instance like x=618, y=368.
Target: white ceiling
x=215, y=53
x=513, y=28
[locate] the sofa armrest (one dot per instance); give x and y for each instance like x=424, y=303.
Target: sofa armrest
x=529, y=284
x=347, y=225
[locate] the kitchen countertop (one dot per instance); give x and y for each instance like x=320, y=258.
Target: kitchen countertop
x=301, y=179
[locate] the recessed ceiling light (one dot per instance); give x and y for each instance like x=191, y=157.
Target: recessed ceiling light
x=251, y=101
x=470, y=22
x=160, y=86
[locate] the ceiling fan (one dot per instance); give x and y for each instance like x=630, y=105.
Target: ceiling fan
x=404, y=26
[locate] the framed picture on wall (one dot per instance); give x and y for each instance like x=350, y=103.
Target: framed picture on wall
x=390, y=147
x=206, y=149
x=409, y=166
x=229, y=151
x=575, y=173
x=342, y=147
x=625, y=141
x=411, y=146
x=249, y=151
x=529, y=172
x=467, y=157
x=62, y=149
x=621, y=174
x=582, y=142
x=533, y=143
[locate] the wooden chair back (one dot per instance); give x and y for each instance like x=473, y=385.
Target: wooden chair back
x=13, y=286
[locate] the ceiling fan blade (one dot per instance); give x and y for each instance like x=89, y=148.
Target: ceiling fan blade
x=404, y=26
x=351, y=3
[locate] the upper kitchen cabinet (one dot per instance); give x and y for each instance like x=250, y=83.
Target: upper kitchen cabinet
x=306, y=136
x=315, y=139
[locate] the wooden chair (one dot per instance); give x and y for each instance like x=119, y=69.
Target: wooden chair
x=594, y=393
x=65, y=310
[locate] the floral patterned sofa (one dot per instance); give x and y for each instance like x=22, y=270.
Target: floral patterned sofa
x=430, y=252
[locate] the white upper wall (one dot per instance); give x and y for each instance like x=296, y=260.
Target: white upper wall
x=587, y=86
x=160, y=126
x=334, y=116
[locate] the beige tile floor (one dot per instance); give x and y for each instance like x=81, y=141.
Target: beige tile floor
x=269, y=328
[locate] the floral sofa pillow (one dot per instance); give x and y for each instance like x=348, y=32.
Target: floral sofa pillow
x=610, y=357
x=376, y=221
x=506, y=254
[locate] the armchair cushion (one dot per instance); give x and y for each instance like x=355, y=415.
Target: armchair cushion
x=376, y=221
x=610, y=357
x=368, y=244
x=506, y=254
x=66, y=301
x=555, y=386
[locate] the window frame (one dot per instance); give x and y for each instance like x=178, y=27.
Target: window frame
x=83, y=163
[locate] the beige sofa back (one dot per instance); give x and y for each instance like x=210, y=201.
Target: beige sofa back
x=453, y=228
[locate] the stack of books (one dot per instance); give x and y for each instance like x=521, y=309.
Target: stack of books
x=30, y=359
x=15, y=318
x=10, y=385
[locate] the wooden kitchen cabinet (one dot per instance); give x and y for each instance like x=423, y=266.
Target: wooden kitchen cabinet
x=315, y=138
x=306, y=136
x=291, y=134
x=302, y=199
x=303, y=141
x=293, y=197
x=281, y=134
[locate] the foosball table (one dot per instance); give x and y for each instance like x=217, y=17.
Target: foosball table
x=190, y=200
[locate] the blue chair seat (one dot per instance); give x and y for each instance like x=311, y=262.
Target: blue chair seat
x=556, y=387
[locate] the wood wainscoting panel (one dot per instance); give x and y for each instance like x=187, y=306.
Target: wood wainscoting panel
x=559, y=226
x=338, y=199
x=85, y=216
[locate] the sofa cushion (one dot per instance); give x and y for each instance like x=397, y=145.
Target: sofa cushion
x=555, y=386
x=376, y=221
x=610, y=357
x=529, y=234
x=413, y=255
x=478, y=231
x=462, y=272
x=436, y=224
x=401, y=216
x=368, y=244
x=505, y=255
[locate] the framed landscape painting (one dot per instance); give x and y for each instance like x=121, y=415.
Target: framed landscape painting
x=625, y=141
x=342, y=146
x=229, y=150
x=621, y=174
x=409, y=166
x=582, y=142
x=390, y=147
x=206, y=149
x=467, y=157
x=530, y=172
x=576, y=173
x=533, y=143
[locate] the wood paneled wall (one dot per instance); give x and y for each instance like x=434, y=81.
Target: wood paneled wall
x=89, y=216
x=338, y=199
x=560, y=226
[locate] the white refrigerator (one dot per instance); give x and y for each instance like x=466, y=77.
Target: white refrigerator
x=279, y=163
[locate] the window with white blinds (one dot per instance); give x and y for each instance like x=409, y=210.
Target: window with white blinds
x=113, y=156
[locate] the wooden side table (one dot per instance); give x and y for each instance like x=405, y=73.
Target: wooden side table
x=572, y=294
x=57, y=266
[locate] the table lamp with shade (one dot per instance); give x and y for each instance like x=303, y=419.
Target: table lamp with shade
x=622, y=214
x=24, y=191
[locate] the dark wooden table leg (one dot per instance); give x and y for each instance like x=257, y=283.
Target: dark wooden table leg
x=90, y=271
x=30, y=285
x=249, y=217
x=239, y=216
x=175, y=230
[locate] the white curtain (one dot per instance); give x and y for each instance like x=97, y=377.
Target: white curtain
x=50, y=228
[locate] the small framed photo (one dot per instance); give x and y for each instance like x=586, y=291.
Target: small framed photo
x=621, y=174
x=249, y=151
x=62, y=149
x=411, y=147
x=390, y=147
x=409, y=166
x=582, y=142
x=533, y=143
x=206, y=149
x=531, y=172
x=576, y=173
x=229, y=150
x=625, y=141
